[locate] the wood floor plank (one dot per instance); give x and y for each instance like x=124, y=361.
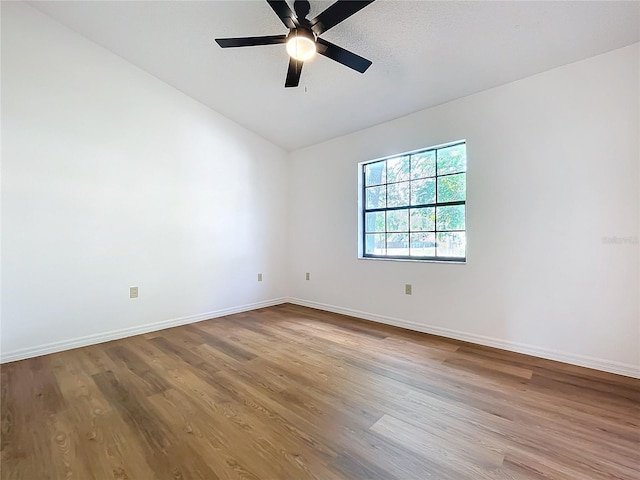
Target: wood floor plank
x=289, y=392
x=28, y=451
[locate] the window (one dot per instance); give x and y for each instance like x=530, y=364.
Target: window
x=413, y=205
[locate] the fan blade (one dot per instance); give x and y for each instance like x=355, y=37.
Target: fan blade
x=284, y=12
x=340, y=55
x=251, y=41
x=293, y=73
x=335, y=14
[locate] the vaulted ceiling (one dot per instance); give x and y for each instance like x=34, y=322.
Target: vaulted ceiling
x=424, y=53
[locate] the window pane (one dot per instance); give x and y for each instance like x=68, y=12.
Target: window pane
x=423, y=191
x=451, y=244
x=397, y=169
x=398, y=221
x=398, y=194
x=423, y=244
x=374, y=222
x=422, y=219
x=452, y=159
x=423, y=165
x=398, y=244
x=376, y=197
x=452, y=188
x=450, y=218
x=375, y=173
x=375, y=244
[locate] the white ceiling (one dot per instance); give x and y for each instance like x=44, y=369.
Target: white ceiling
x=424, y=53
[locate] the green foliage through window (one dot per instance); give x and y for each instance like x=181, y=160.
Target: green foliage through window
x=415, y=205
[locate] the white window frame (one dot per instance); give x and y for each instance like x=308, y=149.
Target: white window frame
x=362, y=211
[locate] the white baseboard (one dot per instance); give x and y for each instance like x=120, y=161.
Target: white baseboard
x=129, y=332
x=625, y=369
x=628, y=370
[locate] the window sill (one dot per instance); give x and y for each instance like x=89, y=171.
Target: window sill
x=410, y=260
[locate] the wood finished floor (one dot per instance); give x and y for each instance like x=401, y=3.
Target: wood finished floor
x=292, y=393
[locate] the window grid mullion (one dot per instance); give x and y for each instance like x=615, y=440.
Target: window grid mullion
x=420, y=205
x=435, y=210
x=410, y=192
x=386, y=203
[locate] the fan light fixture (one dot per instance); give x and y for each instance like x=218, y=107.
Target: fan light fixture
x=303, y=39
x=301, y=45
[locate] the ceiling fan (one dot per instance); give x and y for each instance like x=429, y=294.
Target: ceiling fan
x=303, y=40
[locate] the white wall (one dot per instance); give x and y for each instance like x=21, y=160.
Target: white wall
x=552, y=169
x=111, y=178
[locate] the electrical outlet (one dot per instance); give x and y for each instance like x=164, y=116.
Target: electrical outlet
x=307, y=276
x=259, y=277
x=407, y=289
x=133, y=292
